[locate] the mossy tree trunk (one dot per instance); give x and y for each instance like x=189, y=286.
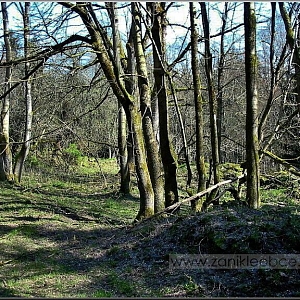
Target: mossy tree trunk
x=152, y=148
x=6, y=167
x=198, y=100
x=212, y=103
x=252, y=144
x=158, y=31
x=102, y=47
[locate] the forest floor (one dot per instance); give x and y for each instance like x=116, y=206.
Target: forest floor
x=72, y=235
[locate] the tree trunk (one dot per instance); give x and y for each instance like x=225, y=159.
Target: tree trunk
x=154, y=162
x=122, y=127
x=200, y=163
x=212, y=103
x=123, y=153
x=99, y=42
x=220, y=108
x=252, y=144
x=22, y=155
x=182, y=131
x=167, y=152
x=6, y=171
x=144, y=179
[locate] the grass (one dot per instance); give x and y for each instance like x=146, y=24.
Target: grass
x=70, y=234
x=41, y=220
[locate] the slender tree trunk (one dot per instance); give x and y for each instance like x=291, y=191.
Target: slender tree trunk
x=212, y=103
x=183, y=135
x=122, y=126
x=267, y=109
x=22, y=155
x=123, y=153
x=200, y=162
x=167, y=152
x=252, y=144
x=6, y=172
x=154, y=162
x=130, y=84
x=220, y=108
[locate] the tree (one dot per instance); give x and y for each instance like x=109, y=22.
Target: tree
x=198, y=100
x=212, y=101
x=158, y=16
x=252, y=143
x=154, y=162
x=6, y=167
x=122, y=125
x=100, y=44
x=22, y=155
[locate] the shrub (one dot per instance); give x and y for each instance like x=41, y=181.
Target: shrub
x=72, y=154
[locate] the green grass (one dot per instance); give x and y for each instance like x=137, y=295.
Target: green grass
x=47, y=214
x=67, y=234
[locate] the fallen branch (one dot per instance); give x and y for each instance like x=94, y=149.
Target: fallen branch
x=283, y=162
x=195, y=197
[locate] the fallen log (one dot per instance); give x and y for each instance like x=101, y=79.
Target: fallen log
x=197, y=196
x=292, y=169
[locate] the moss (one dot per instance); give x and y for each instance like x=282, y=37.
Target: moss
x=148, y=212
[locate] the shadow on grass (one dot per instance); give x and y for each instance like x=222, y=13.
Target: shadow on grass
x=5, y=292
x=134, y=260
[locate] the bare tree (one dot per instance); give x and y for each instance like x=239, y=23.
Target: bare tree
x=6, y=167
x=198, y=100
x=158, y=15
x=252, y=143
x=122, y=123
x=101, y=45
x=212, y=101
x=152, y=148
x=22, y=155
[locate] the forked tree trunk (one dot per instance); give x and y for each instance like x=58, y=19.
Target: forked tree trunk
x=144, y=179
x=101, y=46
x=154, y=162
x=166, y=148
x=6, y=171
x=252, y=144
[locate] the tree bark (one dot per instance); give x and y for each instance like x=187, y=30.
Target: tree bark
x=167, y=153
x=6, y=167
x=22, y=155
x=212, y=102
x=252, y=144
x=152, y=148
x=220, y=108
x=122, y=126
x=198, y=100
x=182, y=131
x=99, y=42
